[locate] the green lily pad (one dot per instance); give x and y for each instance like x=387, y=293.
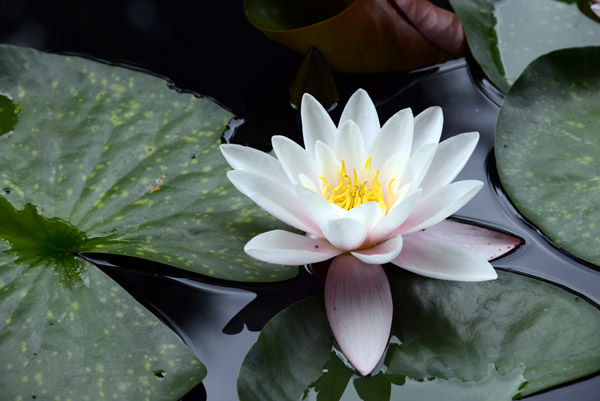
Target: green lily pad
x=68, y=331
x=547, y=141
x=110, y=160
x=506, y=35
x=130, y=163
x=491, y=340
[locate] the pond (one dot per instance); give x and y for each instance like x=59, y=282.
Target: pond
x=243, y=70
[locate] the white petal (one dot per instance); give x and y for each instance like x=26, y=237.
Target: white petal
x=450, y=158
x=316, y=124
x=345, y=234
x=428, y=127
x=328, y=165
x=308, y=183
x=487, y=243
x=382, y=253
x=247, y=158
x=368, y=214
x=317, y=207
x=361, y=110
x=359, y=307
x=417, y=166
x=393, y=169
x=273, y=197
x=285, y=248
x=349, y=147
x=394, y=218
x=394, y=139
x=438, y=259
x=440, y=204
x=293, y=158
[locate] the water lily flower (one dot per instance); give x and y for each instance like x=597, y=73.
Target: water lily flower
x=364, y=195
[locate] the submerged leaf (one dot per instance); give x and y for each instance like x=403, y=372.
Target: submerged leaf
x=547, y=141
x=450, y=340
x=363, y=36
x=314, y=76
x=506, y=35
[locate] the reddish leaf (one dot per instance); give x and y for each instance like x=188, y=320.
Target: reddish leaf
x=367, y=36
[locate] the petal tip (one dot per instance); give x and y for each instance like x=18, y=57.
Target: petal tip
x=359, y=308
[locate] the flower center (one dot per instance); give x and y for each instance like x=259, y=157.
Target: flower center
x=352, y=192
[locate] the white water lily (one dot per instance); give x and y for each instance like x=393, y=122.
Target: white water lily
x=363, y=194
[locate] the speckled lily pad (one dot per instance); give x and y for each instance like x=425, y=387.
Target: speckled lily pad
x=548, y=148
x=106, y=159
x=68, y=331
x=128, y=161
x=493, y=340
x=506, y=35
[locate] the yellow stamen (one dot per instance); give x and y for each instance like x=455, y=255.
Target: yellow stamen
x=351, y=192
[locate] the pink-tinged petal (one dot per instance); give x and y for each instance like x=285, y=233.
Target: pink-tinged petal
x=249, y=159
x=345, y=234
x=276, y=199
x=317, y=207
x=361, y=110
x=285, y=248
x=316, y=124
x=440, y=204
x=489, y=244
x=418, y=165
x=382, y=253
x=359, y=307
x=444, y=261
x=394, y=139
x=368, y=214
x=428, y=127
x=596, y=9
x=450, y=158
x=349, y=147
x=394, y=218
x=328, y=166
x=293, y=158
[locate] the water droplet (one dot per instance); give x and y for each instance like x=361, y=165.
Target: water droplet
x=160, y=373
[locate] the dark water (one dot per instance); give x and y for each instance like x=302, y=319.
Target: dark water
x=220, y=320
